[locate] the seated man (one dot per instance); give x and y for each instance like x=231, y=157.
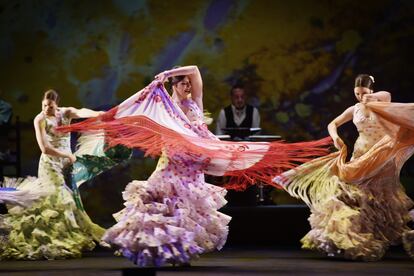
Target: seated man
x=238, y=114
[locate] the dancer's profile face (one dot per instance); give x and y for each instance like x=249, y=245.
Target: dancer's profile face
x=49, y=107
x=183, y=87
x=360, y=92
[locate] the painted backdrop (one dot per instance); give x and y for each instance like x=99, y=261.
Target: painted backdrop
x=297, y=59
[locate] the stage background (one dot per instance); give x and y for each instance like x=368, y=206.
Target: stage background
x=298, y=60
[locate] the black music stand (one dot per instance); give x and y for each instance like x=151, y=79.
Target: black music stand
x=240, y=133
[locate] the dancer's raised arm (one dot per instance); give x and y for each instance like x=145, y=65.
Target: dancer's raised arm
x=381, y=96
x=75, y=113
x=196, y=82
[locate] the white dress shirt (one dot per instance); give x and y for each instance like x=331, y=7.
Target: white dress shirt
x=238, y=117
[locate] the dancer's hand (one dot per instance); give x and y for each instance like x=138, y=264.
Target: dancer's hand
x=366, y=98
x=338, y=143
x=72, y=158
x=162, y=77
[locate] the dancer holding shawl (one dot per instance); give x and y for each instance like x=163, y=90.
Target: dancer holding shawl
x=43, y=220
x=359, y=208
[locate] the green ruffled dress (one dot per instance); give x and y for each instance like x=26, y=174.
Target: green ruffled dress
x=54, y=227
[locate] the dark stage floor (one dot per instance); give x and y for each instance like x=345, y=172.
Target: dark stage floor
x=230, y=261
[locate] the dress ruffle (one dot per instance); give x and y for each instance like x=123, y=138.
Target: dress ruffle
x=357, y=221
x=25, y=195
x=51, y=228
x=171, y=218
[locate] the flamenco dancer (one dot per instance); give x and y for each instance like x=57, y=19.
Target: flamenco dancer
x=43, y=221
x=172, y=217
x=359, y=208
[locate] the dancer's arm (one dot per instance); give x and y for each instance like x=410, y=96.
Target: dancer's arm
x=75, y=113
x=45, y=147
x=382, y=96
x=195, y=78
x=346, y=116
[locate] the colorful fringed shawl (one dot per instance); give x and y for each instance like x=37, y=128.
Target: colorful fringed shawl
x=151, y=121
